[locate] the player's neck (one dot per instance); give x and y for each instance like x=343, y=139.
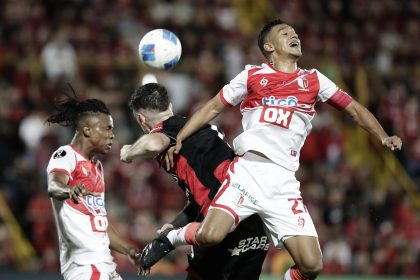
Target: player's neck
x=82, y=146
x=154, y=118
x=286, y=66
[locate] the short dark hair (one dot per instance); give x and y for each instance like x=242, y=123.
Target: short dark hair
x=71, y=110
x=152, y=96
x=263, y=34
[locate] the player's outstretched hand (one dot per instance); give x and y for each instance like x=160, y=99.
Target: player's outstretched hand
x=392, y=142
x=78, y=191
x=124, y=154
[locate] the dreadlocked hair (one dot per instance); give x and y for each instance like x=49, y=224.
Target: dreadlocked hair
x=71, y=110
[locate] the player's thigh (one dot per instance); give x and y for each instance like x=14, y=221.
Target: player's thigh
x=216, y=225
x=305, y=250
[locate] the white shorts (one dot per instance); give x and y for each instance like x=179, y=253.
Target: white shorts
x=100, y=271
x=255, y=184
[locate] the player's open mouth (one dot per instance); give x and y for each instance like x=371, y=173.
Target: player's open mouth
x=109, y=145
x=294, y=44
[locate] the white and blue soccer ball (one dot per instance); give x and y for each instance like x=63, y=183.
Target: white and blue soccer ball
x=160, y=49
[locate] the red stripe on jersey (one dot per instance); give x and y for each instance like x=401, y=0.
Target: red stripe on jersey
x=232, y=164
x=224, y=101
x=198, y=190
x=221, y=191
x=221, y=171
x=96, y=274
x=340, y=100
x=61, y=171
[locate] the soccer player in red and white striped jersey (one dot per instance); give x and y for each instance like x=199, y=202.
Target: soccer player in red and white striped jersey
x=77, y=190
x=277, y=102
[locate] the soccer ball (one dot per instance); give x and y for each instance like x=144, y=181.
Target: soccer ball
x=160, y=49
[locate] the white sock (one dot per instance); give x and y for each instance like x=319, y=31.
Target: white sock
x=287, y=275
x=177, y=236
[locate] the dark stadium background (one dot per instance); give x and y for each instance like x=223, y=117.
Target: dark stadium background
x=364, y=200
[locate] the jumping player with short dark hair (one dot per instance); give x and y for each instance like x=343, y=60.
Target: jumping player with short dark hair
x=77, y=190
x=277, y=102
x=199, y=170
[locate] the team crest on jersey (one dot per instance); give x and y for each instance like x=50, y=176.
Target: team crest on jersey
x=59, y=154
x=303, y=83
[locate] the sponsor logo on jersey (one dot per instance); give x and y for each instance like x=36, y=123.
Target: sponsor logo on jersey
x=280, y=116
x=289, y=101
x=251, y=243
x=95, y=201
x=60, y=154
x=244, y=193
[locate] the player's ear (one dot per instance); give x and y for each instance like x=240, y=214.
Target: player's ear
x=141, y=119
x=86, y=131
x=170, y=107
x=268, y=47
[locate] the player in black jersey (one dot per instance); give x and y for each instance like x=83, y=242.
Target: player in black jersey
x=199, y=169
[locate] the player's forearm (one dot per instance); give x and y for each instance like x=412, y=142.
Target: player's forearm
x=147, y=146
x=367, y=121
x=116, y=243
x=58, y=190
x=200, y=118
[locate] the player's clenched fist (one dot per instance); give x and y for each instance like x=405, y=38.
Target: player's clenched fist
x=393, y=142
x=124, y=154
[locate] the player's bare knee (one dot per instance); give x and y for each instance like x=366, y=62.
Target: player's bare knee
x=311, y=268
x=209, y=236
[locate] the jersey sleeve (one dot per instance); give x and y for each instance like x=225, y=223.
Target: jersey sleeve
x=329, y=92
x=62, y=160
x=234, y=92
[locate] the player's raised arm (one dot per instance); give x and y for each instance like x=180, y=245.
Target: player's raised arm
x=368, y=121
x=147, y=146
x=201, y=117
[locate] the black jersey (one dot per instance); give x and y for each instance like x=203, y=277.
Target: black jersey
x=200, y=169
x=201, y=165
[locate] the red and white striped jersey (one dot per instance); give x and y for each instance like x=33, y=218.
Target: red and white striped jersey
x=277, y=109
x=82, y=228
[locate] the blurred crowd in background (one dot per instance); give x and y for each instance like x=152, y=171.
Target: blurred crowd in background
x=363, y=228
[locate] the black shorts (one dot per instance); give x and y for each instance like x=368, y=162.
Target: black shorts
x=239, y=256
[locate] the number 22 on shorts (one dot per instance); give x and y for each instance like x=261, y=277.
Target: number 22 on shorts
x=280, y=116
x=297, y=205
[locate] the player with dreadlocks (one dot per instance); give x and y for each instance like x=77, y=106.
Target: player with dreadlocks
x=77, y=190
